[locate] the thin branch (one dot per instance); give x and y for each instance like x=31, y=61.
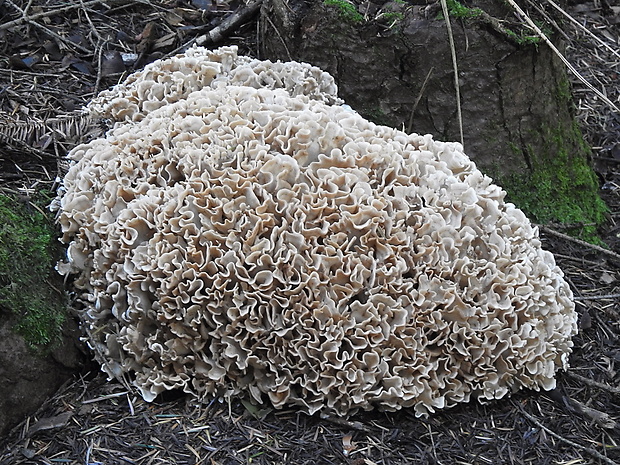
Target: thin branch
x=48, y=31
x=597, y=297
x=99, y=69
x=93, y=28
x=581, y=261
x=551, y=21
x=420, y=94
x=592, y=383
x=587, y=450
x=457, y=86
x=356, y=425
x=599, y=249
x=288, y=53
x=243, y=14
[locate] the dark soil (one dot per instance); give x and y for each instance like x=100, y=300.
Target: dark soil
x=56, y=61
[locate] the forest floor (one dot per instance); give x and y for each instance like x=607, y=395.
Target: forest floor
x=55, y=56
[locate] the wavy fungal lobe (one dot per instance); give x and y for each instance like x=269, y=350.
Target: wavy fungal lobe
x=238, y=230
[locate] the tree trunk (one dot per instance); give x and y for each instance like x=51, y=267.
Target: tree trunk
x=394, y=66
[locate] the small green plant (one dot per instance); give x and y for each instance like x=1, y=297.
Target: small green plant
x=460, y=11
x=346, y=10
x=26, y=268
x=392, y=17
x=522, y=38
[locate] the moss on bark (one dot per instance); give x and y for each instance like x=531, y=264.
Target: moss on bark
x=560, y=186
x=518, y=118
x=27, y=256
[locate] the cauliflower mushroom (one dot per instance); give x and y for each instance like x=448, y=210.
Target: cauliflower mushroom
x=239, y=231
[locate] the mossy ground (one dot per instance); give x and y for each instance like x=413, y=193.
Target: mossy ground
x=27, y=255
x=561, y=186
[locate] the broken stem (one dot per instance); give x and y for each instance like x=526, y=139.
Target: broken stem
x=240, y=16
x=597, y=297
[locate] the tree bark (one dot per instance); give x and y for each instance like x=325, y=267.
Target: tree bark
x=516, y=105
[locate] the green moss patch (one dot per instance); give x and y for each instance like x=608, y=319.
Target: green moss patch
x=346, y=10
x=460, y=11
x=518, y=33
x=27, y=244
x=561, y=187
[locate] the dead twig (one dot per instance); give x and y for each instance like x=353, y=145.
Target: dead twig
x=288, y=53
x=588, y=450
x=592, y=383
x=599, y=249
x=99, y=69
x=356, y=425
x=597, y=297
x=579, y=260
x=417, y=100
x=601, y=419
x=457, y=86
x=231, y=22
x=48, y=31
x=106, y=397
x=45, y=14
